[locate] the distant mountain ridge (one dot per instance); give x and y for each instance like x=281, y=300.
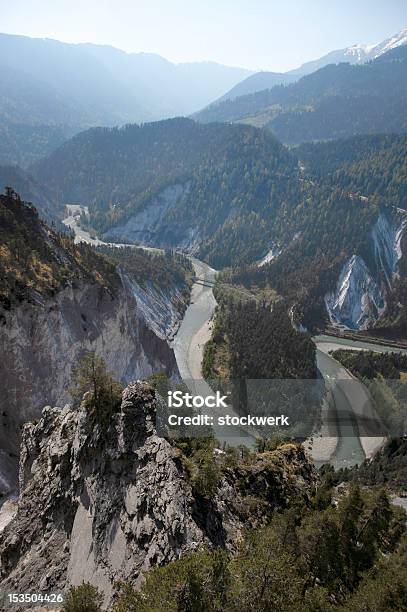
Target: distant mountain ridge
x=356, y=54
x=337, y=101
x=110, y=86
x=51, y=90
x=363, y=53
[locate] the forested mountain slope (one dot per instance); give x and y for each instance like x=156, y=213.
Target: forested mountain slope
x=340, y=255
x=314, y=244
x=30, y=191
x=233, y=195
x=58, y=301
x=334, y=102
x=389, y=467
x=356, y=54
x=176, y=183
x=22, y=144
x=35, y=261
x=257, y=82
x=374, y=167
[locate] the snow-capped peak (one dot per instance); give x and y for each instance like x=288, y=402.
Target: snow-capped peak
x=363, y=53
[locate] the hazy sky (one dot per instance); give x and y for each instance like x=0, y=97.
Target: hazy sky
x=257, y=34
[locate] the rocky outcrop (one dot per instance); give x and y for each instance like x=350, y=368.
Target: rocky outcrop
x=103, y=503
x=357, y=301
x=359, y=298
x=386, y=236
x=41, y=342
x=272, y=254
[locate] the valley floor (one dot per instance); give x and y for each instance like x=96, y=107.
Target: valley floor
x=337, y=441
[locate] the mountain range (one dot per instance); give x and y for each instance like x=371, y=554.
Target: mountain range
x=174, y=183
x=235, y=196
x=51, y=90
x=337, y=101
x=90, y=84
x=356, y=54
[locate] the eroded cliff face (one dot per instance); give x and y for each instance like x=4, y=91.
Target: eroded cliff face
x=41, y=342
x=359, y=298
x=357, y=301
x=386, y=236
x=103, y=503
x=156, y=225
x=161, y=308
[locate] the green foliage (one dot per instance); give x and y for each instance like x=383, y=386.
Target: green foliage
x=204, y=473
x=306, y=559
x=369, y=166
x=387, y=468
x=264, y=445
x=22, y=144
x=195, y=583
x=319, y=541
x=265, y=576
x=317, y=236
x=385, y=586
x=336, y=101
x=382, y=374
x=323, y=494
x=34, y=258
x=205, y=466
x=84, y=598
x=202, y=467
x=103, y=392
x=208, y=360
x=255, y=341
x=369, y=364
x=163, y=270
x=261, y=342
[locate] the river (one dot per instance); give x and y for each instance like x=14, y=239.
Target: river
x=340, y=443
x=352, y=402
x=195, y=329
x=347, y=448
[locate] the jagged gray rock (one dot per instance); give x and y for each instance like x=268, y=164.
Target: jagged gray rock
x=360, y=296
x=105, y=503
x=41, y=342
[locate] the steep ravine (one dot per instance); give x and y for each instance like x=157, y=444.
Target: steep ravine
x=41, y=342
